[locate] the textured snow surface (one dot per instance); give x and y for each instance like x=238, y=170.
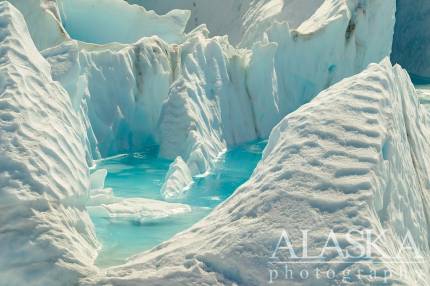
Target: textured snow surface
x=45, y=231
x=352, y=158
x=411, y=47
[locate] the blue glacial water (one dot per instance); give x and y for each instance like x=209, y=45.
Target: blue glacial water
x=141, y=175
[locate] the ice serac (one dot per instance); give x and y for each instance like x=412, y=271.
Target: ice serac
x=43, y=21
x=239, y=17
x=203, y=95
x=121, y=89
x=106, y=21
x=226, y=96
x=178, y=181
x=350, y=159
x=411, y=46
x=45, y=231
x=208, y=107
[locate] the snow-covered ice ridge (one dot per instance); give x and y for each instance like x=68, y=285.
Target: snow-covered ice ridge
x=45, y=231
x=352, y=157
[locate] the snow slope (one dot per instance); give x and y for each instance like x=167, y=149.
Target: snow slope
x=411, y=46
x=352, y=158
x=45, y=232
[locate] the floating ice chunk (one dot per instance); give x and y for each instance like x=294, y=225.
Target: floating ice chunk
x=139, y=210
x=178, y=180
x=102, y=196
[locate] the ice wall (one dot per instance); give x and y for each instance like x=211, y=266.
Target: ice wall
x=236, y=18
x=46, y=233
x=226, y=96
x=106, y=21
x=43, y=21
x=411, y=46
x=350, y=159
x=200, y=96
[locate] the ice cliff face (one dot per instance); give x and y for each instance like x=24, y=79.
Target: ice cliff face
x=84, y=19
x=202, y=95
x=359, y=167
x=45, y=231
x=411, y=46
x=239, y=17
x=43, y=21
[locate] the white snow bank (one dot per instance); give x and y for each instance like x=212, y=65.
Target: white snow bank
x=45, y=230
x=43, y=21
x=178, y=180
x=350, y=159
x=411, y=46
x=106, y=21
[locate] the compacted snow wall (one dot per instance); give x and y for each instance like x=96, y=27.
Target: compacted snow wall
x=349, y=160
x=45, y=234
x=411, y=46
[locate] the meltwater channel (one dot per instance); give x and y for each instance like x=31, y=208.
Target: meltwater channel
x=141, y=175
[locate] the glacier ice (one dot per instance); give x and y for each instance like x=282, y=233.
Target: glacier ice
x=239, y=17
x=138, y=210
x=84, y=19
x=352, y=157
x=160, y=83
x=43, y=21
x=178, y=180
x=411, y=46
x=46, y=232
x=358, y=167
